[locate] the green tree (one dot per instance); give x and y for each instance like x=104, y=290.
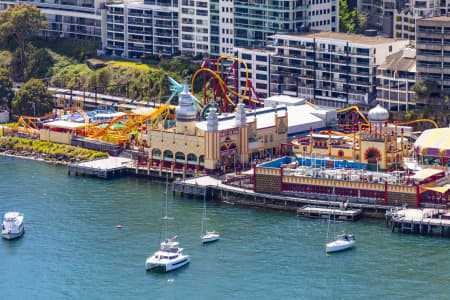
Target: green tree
x=103, y=78
x=20, y=22
x=351, y=21
x=92, y=82
x=38, y=64
x=6, y=85
x=32, y=99
x=424, y=89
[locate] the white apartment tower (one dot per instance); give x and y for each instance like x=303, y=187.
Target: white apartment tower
x=194, y=27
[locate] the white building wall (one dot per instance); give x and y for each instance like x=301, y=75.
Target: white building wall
x=194, y=27
x=226, y=27
x=258, y=63
x=324, y=15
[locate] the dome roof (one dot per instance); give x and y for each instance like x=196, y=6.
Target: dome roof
x=378, y=114
x=185, y=111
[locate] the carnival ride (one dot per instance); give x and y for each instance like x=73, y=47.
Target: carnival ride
x=355, y=121
x=223, y=96
x=131, y=127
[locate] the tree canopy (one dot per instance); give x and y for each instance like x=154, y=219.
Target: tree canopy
x=351, y=21
x=424, y=89
x=20, y=22
x=39, y=64
x=6, y=85
x=32, y=99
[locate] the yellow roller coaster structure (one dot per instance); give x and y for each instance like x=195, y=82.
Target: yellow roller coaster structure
x=122, y=129
x=399, y=124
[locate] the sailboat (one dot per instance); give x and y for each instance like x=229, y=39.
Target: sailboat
x=169, y=256
x=341, y=241
x=207, y=236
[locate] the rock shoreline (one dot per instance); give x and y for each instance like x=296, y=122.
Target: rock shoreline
x=36, y=157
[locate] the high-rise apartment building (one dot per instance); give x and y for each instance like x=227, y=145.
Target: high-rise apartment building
x=433, y=50
x=78, y=19
x=324, y=15
x=395, y=79
x=255, y=21
x=136, y=29
x=329, y=69
x=194, y=27
x=258, y=65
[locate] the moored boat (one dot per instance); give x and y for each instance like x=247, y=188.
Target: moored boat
x=342, y=242
x=12, y=226
x=169, y=256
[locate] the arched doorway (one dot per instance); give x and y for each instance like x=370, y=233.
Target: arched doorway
x=168, y=158
x=191, y=161
x=179, y=160
x=156, y=157
x=373, y=158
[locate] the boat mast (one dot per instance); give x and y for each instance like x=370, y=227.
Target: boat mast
x=204, y=214
x=166, y=218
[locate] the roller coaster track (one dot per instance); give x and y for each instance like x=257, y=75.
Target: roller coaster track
x=222, y=84
x=357, y=110
x=135, y=121
x=416, y=121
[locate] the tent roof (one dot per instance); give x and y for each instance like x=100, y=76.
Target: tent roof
x=439, y=189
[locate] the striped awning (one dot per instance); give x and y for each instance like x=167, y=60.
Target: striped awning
x=434, y=142
x=439, y=189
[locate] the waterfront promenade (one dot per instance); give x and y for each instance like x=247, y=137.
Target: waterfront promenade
x=215, y=188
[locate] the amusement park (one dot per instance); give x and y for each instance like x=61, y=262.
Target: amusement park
x=276, y=145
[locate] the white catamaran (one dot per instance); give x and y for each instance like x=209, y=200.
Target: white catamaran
x=207, y=236
x=169, y=256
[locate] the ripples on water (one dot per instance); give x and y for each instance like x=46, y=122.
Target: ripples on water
x=71, y=248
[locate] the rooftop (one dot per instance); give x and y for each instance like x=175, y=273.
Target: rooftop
x=398, y=61
x=264, y=116
x=353, y=38
x=440, y=18
x=65, y=124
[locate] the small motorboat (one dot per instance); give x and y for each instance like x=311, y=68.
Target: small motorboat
x=342, y=242
x=12, y=226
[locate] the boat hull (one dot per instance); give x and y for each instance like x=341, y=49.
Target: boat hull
x=337, y=246
x=12, y=235
x=209, y=238
x=167, y=266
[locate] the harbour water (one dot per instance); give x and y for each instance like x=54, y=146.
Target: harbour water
x=71, y=249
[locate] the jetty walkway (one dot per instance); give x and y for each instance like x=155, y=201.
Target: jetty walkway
x=214, y=188
x=115, y=166
x=427, y=220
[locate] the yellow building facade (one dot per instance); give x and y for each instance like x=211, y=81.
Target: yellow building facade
x=380, y=146
x=220, y=142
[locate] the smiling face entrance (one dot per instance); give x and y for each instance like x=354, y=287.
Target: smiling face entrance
x=372, y=156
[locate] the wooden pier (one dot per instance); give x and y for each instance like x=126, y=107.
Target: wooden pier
x=215, y=189
x=102, y=168
x=117, y=166
x=424, y=221
x=329, y=213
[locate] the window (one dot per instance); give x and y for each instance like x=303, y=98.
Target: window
x=246, y=56
x=261, y=76
x=261, y=58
